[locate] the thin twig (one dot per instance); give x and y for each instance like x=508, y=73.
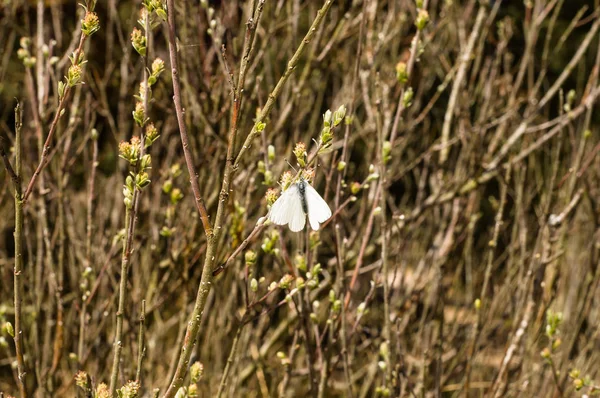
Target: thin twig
x=141, y=344
x=18, y=270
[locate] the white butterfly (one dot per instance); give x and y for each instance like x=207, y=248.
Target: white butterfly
x=297, y=202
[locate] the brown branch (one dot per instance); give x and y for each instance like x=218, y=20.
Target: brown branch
x=185, y=142
x=45, y=158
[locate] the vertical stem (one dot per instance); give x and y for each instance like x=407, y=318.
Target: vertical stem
x=88, y=243
x=141, y=344
x=185, y=142
x=231, y=357
x=387, y=334
x=18, y=270
x=129, y=220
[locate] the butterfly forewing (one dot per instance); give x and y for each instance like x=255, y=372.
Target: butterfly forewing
x=318, y=209
x=288, y=210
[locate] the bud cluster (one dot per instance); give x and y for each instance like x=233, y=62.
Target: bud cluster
x=24, y=54
x=331, y=120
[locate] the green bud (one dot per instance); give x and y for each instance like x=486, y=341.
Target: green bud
x=142, y=180
x=161, y=13
x=339, y=115
x=268, y=177
x=331, y=296
x=146, y=162
x=253, y=285
x=337, y=306
x=408, y=96
x=176, y=196
x=271, y=153
x=341, y=165
x=422, y=19
x=386, y=152
x=327, y=118
x=260, y=126
x=261, y=167
x=401, y=72
x=8, y=328
x=167, y=186
x=23, y=53
x=61, y=89
x=250, y=257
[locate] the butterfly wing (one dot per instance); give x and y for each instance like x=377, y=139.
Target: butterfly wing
x=318, y=209
x=288, y=210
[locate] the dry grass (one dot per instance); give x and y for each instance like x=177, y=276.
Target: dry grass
x=462, y=257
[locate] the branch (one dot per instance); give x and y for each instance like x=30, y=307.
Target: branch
x=185, y=142
x=45, y=159
x=266, y=110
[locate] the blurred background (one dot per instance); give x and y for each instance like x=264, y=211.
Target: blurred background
x=462, y=257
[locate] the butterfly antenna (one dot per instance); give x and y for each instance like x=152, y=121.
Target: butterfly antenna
x=289, y=164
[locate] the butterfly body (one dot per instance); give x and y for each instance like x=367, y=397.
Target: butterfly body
x=302, y=191
x=297, y=203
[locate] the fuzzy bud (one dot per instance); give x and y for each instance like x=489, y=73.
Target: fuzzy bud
x=138, y=41
x=301, y=155
x=74, y=75
x=102, y=391
x=285, y=281
x=401, y=72
x=129, y=390
x=158, y=66
x=196, y=372
x=90, y=24
x=81, y=379
x=271, y=196
x=286, y=180
x=139, y=114
x=151, y=135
